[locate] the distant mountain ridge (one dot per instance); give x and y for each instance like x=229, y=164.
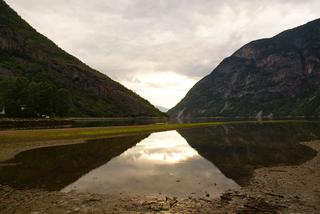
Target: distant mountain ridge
x=275, y=77
x=162, y=109
x=26, y=53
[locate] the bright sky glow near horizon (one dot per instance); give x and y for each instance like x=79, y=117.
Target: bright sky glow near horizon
x=160, y=49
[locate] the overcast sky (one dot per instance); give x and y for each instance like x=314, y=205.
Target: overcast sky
x=160, y=48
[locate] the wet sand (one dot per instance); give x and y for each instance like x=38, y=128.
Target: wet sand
x=284, y=189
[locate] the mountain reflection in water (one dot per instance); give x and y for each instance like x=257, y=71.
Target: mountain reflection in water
x=53, y=168
x=239, y=149
x=193, y=161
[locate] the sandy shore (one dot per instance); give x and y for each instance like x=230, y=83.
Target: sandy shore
x=285, y=189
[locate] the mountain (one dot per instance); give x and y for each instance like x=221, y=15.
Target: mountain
x=274, y=77
x=162, y=109
x=26, y=53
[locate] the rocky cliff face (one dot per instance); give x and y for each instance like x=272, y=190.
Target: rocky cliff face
x=26, y=53
x=273, y=77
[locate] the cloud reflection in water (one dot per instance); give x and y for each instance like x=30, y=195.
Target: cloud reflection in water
x=161, y=148
x=162, y=163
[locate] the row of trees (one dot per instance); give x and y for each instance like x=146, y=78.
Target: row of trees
x=23, y=98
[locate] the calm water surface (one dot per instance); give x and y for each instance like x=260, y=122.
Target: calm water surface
x=76, y=123
x=201, y=161
x=162, y=163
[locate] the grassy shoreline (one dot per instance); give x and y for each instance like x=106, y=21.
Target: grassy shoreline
x=99, y=132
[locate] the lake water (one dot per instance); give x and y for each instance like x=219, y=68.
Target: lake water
x=200, y=162
x=162, y=163
x=77, y=122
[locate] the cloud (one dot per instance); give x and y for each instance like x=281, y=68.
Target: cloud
x=136, y=39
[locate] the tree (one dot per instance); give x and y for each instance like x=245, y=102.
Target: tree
x=22, y=98
x=32, y=103
x=11, y=97
x=63, y=102
x=46, y=98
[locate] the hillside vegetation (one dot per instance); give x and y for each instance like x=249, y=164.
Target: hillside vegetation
x=25, y=53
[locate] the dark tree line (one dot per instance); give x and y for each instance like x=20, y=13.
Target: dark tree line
x=23, y=98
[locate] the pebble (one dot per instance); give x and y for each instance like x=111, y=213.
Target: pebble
x=76, y=209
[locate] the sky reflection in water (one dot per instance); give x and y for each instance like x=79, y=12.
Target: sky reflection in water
x=162, y=163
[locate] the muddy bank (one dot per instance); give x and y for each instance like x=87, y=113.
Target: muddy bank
x=9, y=150
x=285, y=189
